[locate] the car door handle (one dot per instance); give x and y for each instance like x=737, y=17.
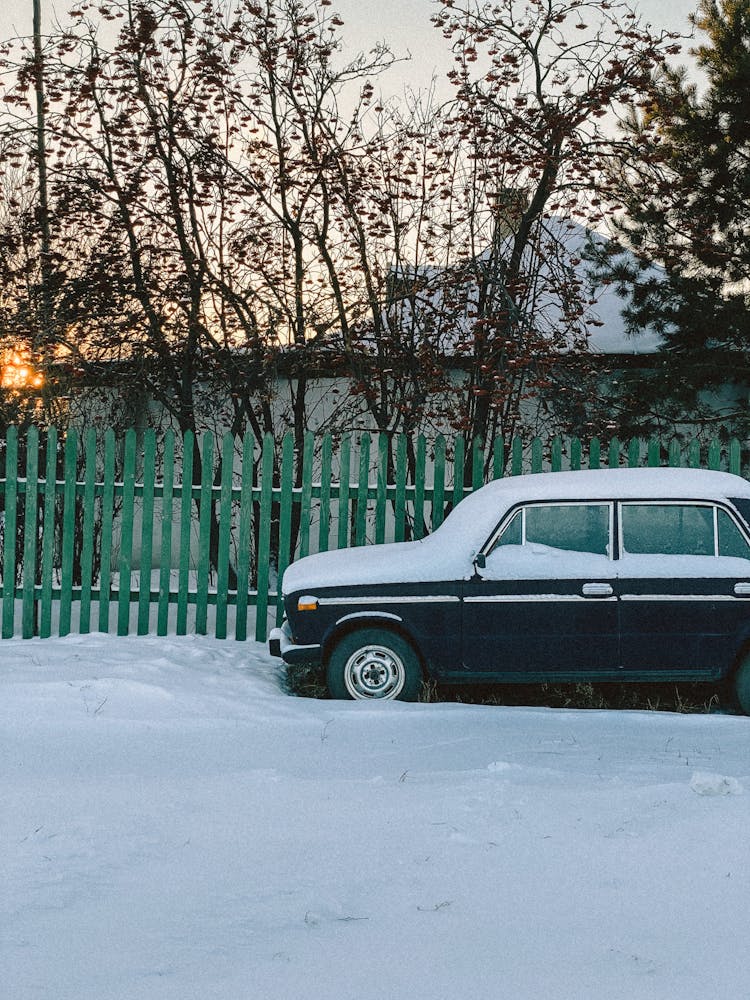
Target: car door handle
x=597, y=590
x=742, y=589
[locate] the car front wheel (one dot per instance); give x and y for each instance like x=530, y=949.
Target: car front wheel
x=372, y=663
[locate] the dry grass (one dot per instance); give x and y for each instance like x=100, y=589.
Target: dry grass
x=306, y=681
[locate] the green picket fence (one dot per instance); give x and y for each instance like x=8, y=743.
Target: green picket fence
x=113, y=534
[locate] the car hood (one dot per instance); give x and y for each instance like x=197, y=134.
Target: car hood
x=424, y=561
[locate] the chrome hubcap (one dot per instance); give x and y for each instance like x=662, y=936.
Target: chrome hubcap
x=374, y=672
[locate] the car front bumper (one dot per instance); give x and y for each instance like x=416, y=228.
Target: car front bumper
x=280, y=643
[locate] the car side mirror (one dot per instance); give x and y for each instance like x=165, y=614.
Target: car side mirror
x=480, y=561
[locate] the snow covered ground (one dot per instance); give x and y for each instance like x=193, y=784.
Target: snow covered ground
x=175, y=827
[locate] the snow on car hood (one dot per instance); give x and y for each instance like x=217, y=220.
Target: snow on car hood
x=397, y=562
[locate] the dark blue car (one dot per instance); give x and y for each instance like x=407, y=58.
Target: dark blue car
x=612, y=575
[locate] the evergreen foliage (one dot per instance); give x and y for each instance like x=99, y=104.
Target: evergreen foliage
x=686, y=193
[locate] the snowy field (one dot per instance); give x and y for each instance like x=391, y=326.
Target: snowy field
x=175, y=827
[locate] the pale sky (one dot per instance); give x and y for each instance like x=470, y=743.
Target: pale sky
x=404, y=24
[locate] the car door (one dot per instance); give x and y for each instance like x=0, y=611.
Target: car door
x=684, y=584
x=544, y=604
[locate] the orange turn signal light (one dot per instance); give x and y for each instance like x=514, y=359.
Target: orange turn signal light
x=307, y=603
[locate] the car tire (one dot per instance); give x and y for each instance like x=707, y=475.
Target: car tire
x=372, y=664
x=741, y=686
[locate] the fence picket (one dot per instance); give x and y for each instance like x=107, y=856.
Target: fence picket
x=399, y=512
x=165, y=553
x=30, y=515
x=126, y=536
x=205, y=518
x=186, y=502
x=108, y=502
x=419, y=487
x=48, y=533
x=438, y=483
x=68, y=531
x=87, y=530
x=244, y=541
x=381, y=489
x=576, y=454
x=498, y=458
x=360, y=536
x=324, y=528
x=308, y=452
x=595, y=453
x=536, y=455
x=9, y=537
x=264, y=538
x=285, y=511
x=735, y=454
x=516, y=456
x=147, y=531
x=459, y=451
x=225, y=532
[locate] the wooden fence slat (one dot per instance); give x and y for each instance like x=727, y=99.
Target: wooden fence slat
x=9, y=535
x=613, y=457
x=735, y=457
x=68, y=530
x=324, y=528
x=498, y=458
x=536, y=455
x=108, y=501
x=147, y=531
x=399, y=512
x=205, y=517
x=126, y=534
x=438, y=482
x=186, y=503
x=419, y=487
x=634, y=453
x=516, y=456
x=714, y=455
x=345, y=451
x=48, y=533
x=576, y=454
x=694, y=454
x=88, y=528
x=30, y=534
x=285, y=513
x=308, y=455
x=673, y=453
x=363, y=484
x=477, y=463
x=595, y=453
x=459, y=452
x=381, y=488
x=166, y=521
x=556, y=454
x=264, y=538
x=244, y=542
x=654, y=453
x=225, y=534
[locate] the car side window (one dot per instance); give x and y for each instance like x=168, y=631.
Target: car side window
x=731, y=540
x=571, y=527
x=668, y=529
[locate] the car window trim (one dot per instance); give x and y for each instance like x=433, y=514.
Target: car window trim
x=522, y=505
x=715, y=505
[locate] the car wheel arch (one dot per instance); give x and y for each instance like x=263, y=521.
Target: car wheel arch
x=361, y=622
